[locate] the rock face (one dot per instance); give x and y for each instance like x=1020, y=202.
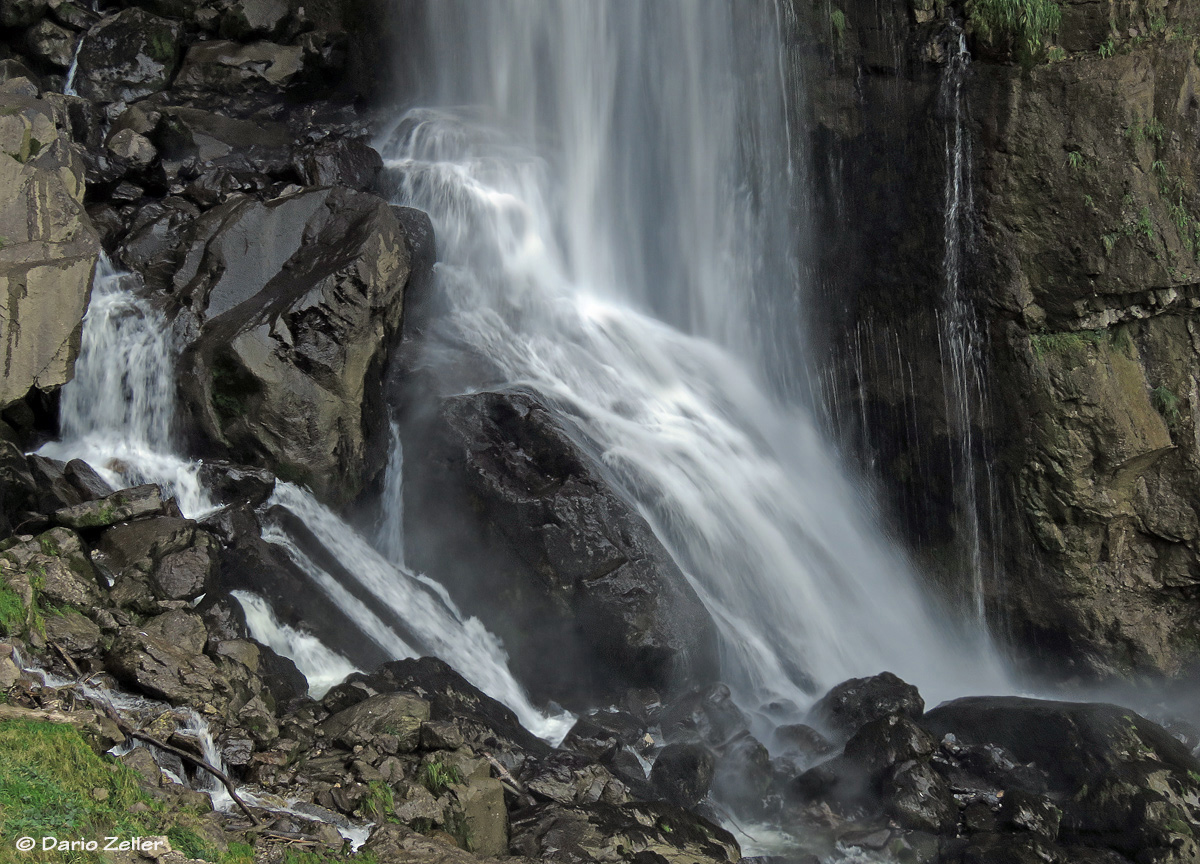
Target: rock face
x=48, y=249
x=128, y=56
x=292, y=338
x=584, y=595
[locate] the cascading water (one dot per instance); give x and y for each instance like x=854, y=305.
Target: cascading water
x=616, y=226
x=959, y=340
x=117, y=415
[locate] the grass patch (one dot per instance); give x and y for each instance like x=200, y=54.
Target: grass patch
x=1165, y=403
x=438, y=777
x=1028, y=23
x=1064, y=343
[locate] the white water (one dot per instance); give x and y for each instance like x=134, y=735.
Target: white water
x=117, y=415
x=617, y=230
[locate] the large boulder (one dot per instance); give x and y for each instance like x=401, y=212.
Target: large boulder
x=127, y=56
x=550, y=556
x=854, y=703
x=235, y=70
x=396, y=714
x=48, y=249
x=163, y=659
x=293, y=334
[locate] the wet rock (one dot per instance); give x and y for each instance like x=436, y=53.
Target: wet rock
x=630, y=834
x=151, y=247
x=744, y=775
x=51, y=43
x=75, y=634
x=237, y=484
x=888, y=741
x=54, y=490
x=482, y=805
x=706, y=714
x=86, y=481
x=917, y=797
x=683, y=773
x=164, y=659
x=348, y=162
x=22, y=13
x=118, y=507
x=397, y=714
x=188, y=573
x=50, y=249
x=802, y=739
x=856, y=702
x=597, y=605
x=1020, y=811
x=127, y=56
x=133, y=148
x=73, y=15
x=283, y=377
x=571, y=778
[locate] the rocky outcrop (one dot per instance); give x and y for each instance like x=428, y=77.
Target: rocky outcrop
x=48, y=249
x=586, y=598
x=290, y=341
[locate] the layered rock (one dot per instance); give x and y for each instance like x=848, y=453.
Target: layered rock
x=48, y=249
x=585, y=596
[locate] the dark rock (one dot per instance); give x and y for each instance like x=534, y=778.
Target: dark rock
x=197, y=136
x=706, y=714
x=223, y=617
x=117, y=507
x=237, y=484
x=1020, y=811
x=188, y=573
x=281, y=676
x=55, y=564
x=151, y=247
x=587, y=600
x=481, y=718
x=339, y=697
x=683, y=773
x=233, y=70
x=571, y=778
x=75, y=634
x=283, y=378
x=917, y=797
x=631, y=834
x=86, y=481
x=854, y=703
x=73, y=15
x=127, y=56
x=51, y=43
x=108, y=223
x=397, y=714
x=348, y=162
x=132, y=147
x=246, y=19
x=841, y=783
x=164, y=659
x=54, y=491
x=803, y=740
x=888, y=741
x=22, y=13
x=441, y=735
x=1006, y=849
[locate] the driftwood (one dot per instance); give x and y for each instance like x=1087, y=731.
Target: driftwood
x=129, y=730
x=512, y=783
x=16, y=712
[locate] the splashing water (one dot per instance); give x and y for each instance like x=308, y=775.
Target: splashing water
x=616, y=222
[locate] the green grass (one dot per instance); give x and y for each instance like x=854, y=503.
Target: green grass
x=380, y=802
x=53, y=784
x=191, y=844
x=1165, y=403
x=1107, y=48
x=1029, y=23
x=13, y=614
x=1075, y=160
x=1065, y=342
x=439, y=777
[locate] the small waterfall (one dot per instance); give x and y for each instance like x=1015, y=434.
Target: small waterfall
x=959, y=341
x=617, y=231
x=322, y=667
x=73, y=69
x=389, y=535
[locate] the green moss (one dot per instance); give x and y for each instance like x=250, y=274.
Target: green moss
x=162, y=48
x=837, y=25
x=1064, y=343
x=1166, y=403
x=457, y=827
x=13, y=613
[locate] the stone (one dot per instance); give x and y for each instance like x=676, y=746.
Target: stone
x=802, y=739
x=917, y=797
x=854, y=703
x=630, y=834
x=188, y=573
x=245, y=19
x=118, y=507
x=682, y=774
x=56, y=563
x=237, y=484
x=75, y=634
x=132, y=147
x=49, y=251
x=707, y=714
x=350, y=162
x=890, y=740
x=570, y=778
x=292, y=340
x=231, y=69
x=51, y=43
x=21, y=13
x=398, y=714
x=482, y=805
x=127, y=56
x=1020, y=811
x=440, y=735
x=581, y=591
x=86, y=481
x=164, y=660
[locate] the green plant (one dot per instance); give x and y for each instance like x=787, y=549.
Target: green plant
x=238, y=853
x=190, y=843
x=1110, y=242
x=458, y=828
x=1064, y=342
x=1165, y=403
x=1107, y=48
x=380, y=802
x=1075, y=160
x=1090, y=202
x=837, y=24
x=1056, y=54
x=438, y=777
x=1144, y=225
x=1146, y=130
x=1027, y=22
x=1158, y=23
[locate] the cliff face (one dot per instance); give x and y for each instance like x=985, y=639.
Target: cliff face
x=1081, y=268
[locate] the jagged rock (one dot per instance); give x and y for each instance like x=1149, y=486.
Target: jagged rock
x=231, y=69
x=73, y=633
x=888, y=741
x=683, y=773
x=744, y=775
x=151, y=247
x=132, y=147
x=54, y=490
x=50, y=43
x=49, y=250
x=396, y=714
x=127, y=56
x=579, y=588
x=706, y=714
x=919, y=798
x=348, y=162
x=56, y=564
x=118, y=507
x=164, y=659
x=86, y=481
x=629, y=834
x=482, y=805
x=571, y=778
x=440, y=735
x=188, y=573
x=281, y=374
x=1020, y=811
x=239, y=484
x=244, y=19
x=854, y=703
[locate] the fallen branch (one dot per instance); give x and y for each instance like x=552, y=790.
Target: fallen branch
x=16, y=712
x=129, y=730
x=67, y=657
x=509, y=780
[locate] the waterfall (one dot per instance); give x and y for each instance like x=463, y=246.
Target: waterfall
x=959, y=341
x=612, y=188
